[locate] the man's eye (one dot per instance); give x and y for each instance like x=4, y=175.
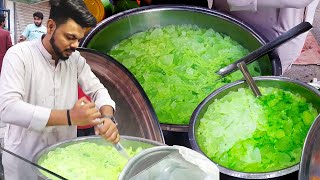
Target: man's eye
x=70, y=38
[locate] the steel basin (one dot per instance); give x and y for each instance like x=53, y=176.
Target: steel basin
x=311, y=94
x=112, y=30
x=310, y=160
x=126, y=141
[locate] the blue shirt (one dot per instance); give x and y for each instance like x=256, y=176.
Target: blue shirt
x=32, y=32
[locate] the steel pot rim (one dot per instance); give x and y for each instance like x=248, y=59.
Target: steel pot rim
x=234, y=173
x=79, y=139
x=276, y=70
x=309, y=149
x=261, y=38
x=134, y=81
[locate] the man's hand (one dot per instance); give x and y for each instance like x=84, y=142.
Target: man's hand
x=21, y=39
x=108, y=130
x=84, y=113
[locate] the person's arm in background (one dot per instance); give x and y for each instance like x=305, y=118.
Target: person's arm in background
x=9, y=42
x=24, y=35
x=252, y=5
x=22, y=38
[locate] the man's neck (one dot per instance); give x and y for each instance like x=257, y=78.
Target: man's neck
x=46, y=43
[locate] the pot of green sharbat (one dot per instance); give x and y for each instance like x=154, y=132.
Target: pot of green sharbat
x=255, y=138
x=173, y=52
x=89, y=157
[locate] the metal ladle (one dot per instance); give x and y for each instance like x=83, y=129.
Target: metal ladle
x=253, y=86
x=118, y=146
x=251, y=57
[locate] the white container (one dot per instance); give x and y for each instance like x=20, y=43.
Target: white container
x=169, y=163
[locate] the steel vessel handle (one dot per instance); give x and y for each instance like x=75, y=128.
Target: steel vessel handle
x=292, y=33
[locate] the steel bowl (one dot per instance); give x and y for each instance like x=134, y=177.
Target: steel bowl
x=153, y=162
x=112, y=30
x=311, y=94
x=126, y=142
x=310, y=159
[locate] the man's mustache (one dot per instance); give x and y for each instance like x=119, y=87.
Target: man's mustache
x=71, y=49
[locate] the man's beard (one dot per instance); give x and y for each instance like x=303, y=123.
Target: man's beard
x=57, y=51
x=38, y=25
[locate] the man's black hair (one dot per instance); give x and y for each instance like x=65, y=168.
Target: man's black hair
x=38, y=14
x=62, y=10
x=2, y=18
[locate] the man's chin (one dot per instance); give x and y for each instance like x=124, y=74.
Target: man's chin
x=64, y=58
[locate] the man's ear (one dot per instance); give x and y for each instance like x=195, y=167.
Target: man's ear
x=51, y=26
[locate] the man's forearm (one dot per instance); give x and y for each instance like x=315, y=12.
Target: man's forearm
x=58, y=117
x=106, y=110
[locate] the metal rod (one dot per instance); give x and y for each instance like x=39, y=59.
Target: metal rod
x=253, y=86
x=34, y=164
x=292, y=33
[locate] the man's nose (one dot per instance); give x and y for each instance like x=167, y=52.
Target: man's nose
x=75, y=44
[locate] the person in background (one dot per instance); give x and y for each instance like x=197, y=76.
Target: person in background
x=35, y=30
x=38, y=90
x=5, y=39
x=272, y=18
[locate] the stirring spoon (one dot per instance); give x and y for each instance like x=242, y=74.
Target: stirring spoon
x=253, y=86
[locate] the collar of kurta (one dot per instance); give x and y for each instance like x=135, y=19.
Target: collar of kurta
x=45, y=52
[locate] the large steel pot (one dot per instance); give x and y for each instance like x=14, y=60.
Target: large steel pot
x=126, y=141
x=311, y=94
x=134, y=111
x=310, y=159
x=120, y=26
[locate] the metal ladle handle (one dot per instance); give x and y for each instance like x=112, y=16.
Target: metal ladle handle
x=253, y=86
x=118, y=146
x=292, y=33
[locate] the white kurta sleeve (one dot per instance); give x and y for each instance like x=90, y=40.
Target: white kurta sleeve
x=242, y=5
x=13, y=110
x=253, y=5
x=284, y=3
x=92, y=86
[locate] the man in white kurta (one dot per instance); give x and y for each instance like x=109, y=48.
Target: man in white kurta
x=30, y=86
x=272, y=18
x=39, y=90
